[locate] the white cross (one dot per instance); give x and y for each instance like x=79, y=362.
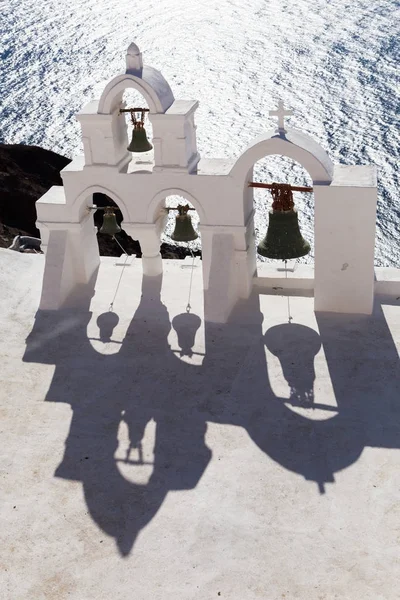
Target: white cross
x=281, y=113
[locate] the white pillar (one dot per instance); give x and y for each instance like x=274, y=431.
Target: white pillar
x=149, y=239
x=229, y=265
x=104, y=137
x=246, y=257
x=72, y=258
x=345, y=216
x=219, y=277
x=174, y=137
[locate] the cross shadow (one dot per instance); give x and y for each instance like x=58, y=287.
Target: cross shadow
x=144, y=383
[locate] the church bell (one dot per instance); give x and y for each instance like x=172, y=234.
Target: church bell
x=283, y=240
x=139, y=142
x=183, y=231
x=110, y=225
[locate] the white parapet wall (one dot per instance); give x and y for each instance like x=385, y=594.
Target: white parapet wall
x=299, y=279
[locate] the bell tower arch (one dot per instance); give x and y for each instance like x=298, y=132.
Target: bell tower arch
x=343, y=243
x=174, y=132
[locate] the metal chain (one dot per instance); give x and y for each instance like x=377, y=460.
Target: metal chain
x=122, y=272
x=123, y=249
x=188, y=307
x=290, y=318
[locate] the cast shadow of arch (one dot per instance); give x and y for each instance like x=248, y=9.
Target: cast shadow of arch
x=145, y=382
x=296, y=347
x=363, y=366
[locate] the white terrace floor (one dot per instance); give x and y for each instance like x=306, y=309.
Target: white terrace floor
x=154, y=458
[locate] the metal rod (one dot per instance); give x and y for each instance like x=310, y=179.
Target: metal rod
x=268, y=186
x=94, y=207
x=176, y=208
x=126, y=110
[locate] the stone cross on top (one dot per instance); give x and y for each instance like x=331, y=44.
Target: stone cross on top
x=281, y=113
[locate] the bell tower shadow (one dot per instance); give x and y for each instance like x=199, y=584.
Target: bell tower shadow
x=145, y=383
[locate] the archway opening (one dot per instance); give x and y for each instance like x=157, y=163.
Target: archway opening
x=108, y=246
x=173, y=248
x=281, y=169
x=185, y=282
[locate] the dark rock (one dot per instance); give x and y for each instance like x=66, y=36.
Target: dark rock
x=7, y=235
x=26, y=173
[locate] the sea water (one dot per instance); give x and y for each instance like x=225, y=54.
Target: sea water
x=334, y=62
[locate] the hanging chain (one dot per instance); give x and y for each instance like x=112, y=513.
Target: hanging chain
x=139, y=123
x=122, y=272
x=136, y=122
x=282, y=196
x=188, y=307
x=290, y=318
x=123, y=249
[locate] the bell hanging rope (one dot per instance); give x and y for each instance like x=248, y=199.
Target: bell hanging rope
x=139, y=142
x=283, y=240
x=183, y=231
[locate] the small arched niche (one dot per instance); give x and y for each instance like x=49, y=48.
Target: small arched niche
x=281, y=169
x=108, y=246
x=188, y=308
x=132, y=98
x=180, y=249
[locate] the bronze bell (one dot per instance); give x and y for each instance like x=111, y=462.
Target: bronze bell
x=183, y=231
x=283, y=240
x=139, y=142
x=110, y=225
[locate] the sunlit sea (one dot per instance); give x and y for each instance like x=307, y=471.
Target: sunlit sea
x=334, y=62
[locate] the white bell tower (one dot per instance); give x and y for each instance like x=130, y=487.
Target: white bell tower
x=345, y=202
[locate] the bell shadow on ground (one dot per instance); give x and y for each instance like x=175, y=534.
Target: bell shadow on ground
x=363, y=366
x=145, y=381
x=186, y=326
